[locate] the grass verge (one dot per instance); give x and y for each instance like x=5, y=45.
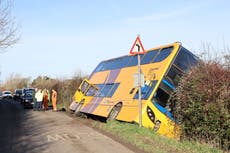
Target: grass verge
x=151, y=142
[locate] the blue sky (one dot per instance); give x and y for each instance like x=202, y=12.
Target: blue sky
x=60, y=38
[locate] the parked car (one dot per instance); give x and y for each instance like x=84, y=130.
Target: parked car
x=7, y=95
x=0, y=95
x=27, y=97
x=18, y=94
x=24, y=90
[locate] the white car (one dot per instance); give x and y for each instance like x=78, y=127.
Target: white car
x=7, y=95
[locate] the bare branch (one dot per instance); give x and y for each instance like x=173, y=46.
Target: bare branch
x=8, y=30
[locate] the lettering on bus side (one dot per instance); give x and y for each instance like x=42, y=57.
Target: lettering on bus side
x=152, y=73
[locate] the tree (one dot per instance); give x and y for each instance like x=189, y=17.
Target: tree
x=15, y=81
x=8, y=30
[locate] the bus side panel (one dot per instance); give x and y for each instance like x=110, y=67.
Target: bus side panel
x=126, y=80
x=103, y=110
x=87, y=100
x=91, y=105
x=98, y=106
x=99, y=77
x=121, y=94
x=128, y=112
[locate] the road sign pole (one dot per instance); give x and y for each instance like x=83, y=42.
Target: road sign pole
x=140, y=77
x=139, y=90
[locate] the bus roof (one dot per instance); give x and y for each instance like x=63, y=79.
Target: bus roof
x=151, y=49
x=152, y=55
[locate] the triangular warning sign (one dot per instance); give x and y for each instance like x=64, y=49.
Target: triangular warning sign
x=137, y=47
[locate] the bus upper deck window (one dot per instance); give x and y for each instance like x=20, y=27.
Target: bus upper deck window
x=149, y=56
x=164, y=53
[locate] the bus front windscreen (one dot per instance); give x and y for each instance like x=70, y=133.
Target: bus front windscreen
x=182, y=63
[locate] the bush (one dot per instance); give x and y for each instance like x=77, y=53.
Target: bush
x=15, y=81
x=203, y=103
x=44, y=82
x=65, y=88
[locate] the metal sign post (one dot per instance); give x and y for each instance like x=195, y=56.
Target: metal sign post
x=139, y=89
x=140, y=76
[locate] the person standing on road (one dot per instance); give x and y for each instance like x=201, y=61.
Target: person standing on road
x=39, y=97
x=35, y=99
x=54, y=100
x=49, y=96
x=45, y=99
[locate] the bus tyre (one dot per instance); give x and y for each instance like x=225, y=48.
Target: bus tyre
x=114, y=112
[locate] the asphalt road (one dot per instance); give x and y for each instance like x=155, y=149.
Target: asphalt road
x=23, y=130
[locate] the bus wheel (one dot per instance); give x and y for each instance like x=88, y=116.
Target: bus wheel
x=114, y=112
x=77, y=111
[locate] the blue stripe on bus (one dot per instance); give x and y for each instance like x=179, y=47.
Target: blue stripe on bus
x=169, y=84
x=164, y=111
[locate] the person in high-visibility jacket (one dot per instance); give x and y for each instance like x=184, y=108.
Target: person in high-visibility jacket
x=54, y=100
x=45, y=99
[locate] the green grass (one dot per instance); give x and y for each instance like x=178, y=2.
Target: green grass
x=149, y=141
x=59, y=106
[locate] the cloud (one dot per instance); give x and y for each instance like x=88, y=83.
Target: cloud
x=159, y=16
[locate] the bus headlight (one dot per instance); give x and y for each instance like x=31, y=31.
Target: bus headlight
x=150, y=114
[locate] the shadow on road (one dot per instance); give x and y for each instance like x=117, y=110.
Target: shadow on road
x=17, y=132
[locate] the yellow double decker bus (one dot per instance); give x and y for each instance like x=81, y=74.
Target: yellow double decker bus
x=109, y=91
